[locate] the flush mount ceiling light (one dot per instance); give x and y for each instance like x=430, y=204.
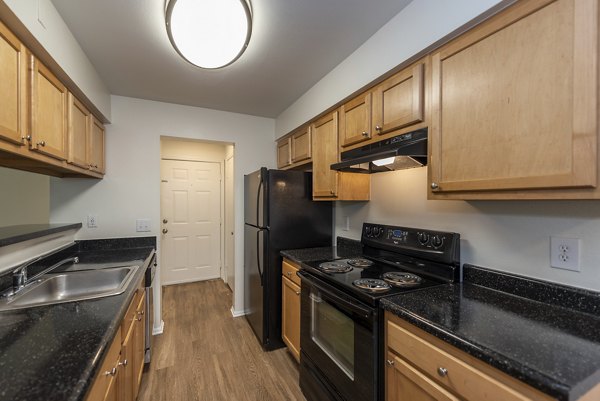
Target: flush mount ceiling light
x=209, y=33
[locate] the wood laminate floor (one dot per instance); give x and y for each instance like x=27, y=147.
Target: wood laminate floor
x=205, y=354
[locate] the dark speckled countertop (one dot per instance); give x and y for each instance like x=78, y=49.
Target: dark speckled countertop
x=346, y=248
x=549, y=339
x=52, y=353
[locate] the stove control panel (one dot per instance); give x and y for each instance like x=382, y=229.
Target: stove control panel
x=435, y=245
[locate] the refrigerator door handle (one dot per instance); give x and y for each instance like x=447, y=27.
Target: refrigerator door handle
x=258, y=256
x=260, y=186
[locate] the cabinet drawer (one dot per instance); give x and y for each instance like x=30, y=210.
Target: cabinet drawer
x=289, y=270
x=106, y=375
x=460, y=377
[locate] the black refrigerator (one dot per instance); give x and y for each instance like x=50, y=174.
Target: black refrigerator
x=279, y=214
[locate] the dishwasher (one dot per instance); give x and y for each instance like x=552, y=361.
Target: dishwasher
x=149, y=312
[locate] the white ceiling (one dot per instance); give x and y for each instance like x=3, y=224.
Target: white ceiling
x=294, y=44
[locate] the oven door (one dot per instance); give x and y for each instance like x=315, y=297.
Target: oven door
x=338, y=338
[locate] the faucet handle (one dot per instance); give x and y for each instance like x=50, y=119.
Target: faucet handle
x=19, y=278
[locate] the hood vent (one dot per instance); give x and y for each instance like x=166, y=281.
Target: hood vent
x=397, y=153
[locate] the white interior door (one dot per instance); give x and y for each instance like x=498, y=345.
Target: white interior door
x=229, y=224
x=190, y=221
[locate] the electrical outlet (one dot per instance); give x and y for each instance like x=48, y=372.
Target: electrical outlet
x=564, y=253
x=142, y=225
x=92, y=221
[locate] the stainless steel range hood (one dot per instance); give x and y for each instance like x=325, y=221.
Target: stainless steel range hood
x=399, y=152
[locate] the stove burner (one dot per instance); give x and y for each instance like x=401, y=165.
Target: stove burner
x=335, y=267
x=372, y=284
x=359, y=262
x=402, y=279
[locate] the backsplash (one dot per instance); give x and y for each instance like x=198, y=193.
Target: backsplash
x=510, y=236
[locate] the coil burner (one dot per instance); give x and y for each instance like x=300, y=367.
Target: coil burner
x=335, y=267
x=372, y=284
x=359, y=262
x=402, y=279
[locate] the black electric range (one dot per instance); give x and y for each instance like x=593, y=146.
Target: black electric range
x=341, y=326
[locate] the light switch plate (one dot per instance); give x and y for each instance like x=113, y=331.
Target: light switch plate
x=564, y=253
x=142, y=225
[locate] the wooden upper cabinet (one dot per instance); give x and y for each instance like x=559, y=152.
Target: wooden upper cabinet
x=301, y=145
x=79, y=127
x=399, y=101
x=355, y=120
x=48, y=112
x=514, y=102
x=284, y=152
x=95, y=150
x=325, y=153
x=13, y=88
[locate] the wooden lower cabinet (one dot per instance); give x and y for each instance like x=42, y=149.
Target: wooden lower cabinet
x=421, y=367
x=120, y=375
x=290, y=309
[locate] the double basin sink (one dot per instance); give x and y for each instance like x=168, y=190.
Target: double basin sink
x=55, y=288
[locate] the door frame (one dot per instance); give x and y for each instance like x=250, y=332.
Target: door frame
x=226, y=251
x=221, y=214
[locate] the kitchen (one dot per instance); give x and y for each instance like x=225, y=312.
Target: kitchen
x=511, y=236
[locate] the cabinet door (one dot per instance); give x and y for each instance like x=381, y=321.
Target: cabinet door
x=95, y=152
x=290, y=324
x=139, y=346
x=301, y=145
x=126, y=382
x=284, y=153
x=404, y=382
x=48, y=113
x=399, y=100
x=514, y=101
x=79, y=126
x=13, y=88
x=355, y=120
x=325, y=153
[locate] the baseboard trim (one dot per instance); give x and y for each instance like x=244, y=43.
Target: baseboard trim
x=158, y=330
x=235, y=313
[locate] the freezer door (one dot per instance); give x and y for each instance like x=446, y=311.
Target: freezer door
x=254, y=268
x=254, y=198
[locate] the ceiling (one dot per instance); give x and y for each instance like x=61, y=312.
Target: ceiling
x=294, y=44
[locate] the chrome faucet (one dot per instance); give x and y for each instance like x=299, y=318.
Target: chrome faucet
x=19, y=277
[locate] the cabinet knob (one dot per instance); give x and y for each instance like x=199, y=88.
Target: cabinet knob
x=28, y=138
x=378, y=128
x=365, y=134
x=434, y=185
x=41, y=143
x=332, y=192
x=164, y=231
x=390, y=362
x=297, y=292
x=111, y=372
x=124, y=363
x=289, y=274
x=165, y=221
x=443, y=372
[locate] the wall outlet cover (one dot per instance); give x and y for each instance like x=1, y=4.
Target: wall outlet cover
x=92, y=221
x=142, y=225
x=565, y=253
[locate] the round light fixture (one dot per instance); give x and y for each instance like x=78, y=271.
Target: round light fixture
x=209, y=33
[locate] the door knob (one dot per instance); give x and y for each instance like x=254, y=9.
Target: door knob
x=164, y=231
x=165, y=221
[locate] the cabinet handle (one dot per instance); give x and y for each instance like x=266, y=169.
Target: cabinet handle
x=443, y=372
x=124, y=363
x=289, y=274
x=28, y=138
x=111, y=372
x=332, y=192
x=41, y=143
x=164, y=231
x=365, y=134
x=378, y=128
x=434, y=185
x=390, y=362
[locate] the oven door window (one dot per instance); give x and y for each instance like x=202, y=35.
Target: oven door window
x=333, y=331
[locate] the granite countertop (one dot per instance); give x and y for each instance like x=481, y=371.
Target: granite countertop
x=52, y=353
x=548, y=343
x=15, y=234
x=346, y=248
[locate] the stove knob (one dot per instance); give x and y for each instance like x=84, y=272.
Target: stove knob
x=375, y=231
x=423, y=238
x=436, y=241
x=368, y=231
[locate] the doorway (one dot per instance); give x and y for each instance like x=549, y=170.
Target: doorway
x=193, y=210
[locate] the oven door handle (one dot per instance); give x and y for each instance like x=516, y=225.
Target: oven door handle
x=337, y=300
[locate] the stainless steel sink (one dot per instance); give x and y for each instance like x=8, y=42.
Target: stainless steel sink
x=71, y=286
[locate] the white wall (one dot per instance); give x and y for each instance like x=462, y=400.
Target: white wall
x=419, y=25
x=512, y=236
x=24, y=198
x=58, y=40
x=131, y=187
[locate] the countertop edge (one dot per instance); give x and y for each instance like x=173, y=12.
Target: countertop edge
x=88, y=375
x=514, y=369
x=37, y=233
